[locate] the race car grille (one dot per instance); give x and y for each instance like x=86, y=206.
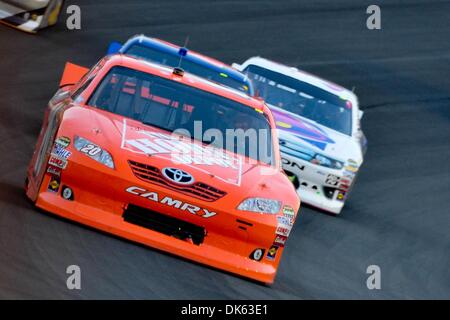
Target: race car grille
x=198, y=190
x=164, y=224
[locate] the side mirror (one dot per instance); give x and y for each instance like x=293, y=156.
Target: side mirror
x=72, y=74
x=360, y=114
x=114, y=47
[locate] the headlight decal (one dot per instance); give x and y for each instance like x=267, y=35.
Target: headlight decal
x=324, y=161
x=304, y=153
x=93, y=151
x=260, y=205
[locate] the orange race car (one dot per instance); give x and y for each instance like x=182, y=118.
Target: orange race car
x=156, y=155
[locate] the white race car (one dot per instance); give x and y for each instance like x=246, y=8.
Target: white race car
x=30, y=15
x=321, y=141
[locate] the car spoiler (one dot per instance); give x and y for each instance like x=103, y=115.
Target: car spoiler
x=72, y=74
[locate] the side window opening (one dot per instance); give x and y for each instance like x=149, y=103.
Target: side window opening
x=81, y=89
x=87, y=79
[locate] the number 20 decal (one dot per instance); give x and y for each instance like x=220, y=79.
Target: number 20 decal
x=91, y=149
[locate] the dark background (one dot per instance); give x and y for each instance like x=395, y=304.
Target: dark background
x=398, y=216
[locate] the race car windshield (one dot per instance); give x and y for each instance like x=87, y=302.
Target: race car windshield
x=302, y=99
x=171, y=106
x=170, y=60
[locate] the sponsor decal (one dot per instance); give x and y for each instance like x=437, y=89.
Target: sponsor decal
x=284, y=227
x=341, y=196
x=61, y=152
x=272, y=252
x=171, y=202
x=63, y=141
x=54, y=171
x=90, y=149
x=332, y=180
x=345, y=183
x=178, y=176
x=54, y=183
x=280, y=241
x=67, y=193
x=284, y=221
x=257, y=254
x=57, y=162
x=283, y=230
x=302, y=129
x=351, y=169
x=179, y=149
x=349, y=175
x=352, y=166
x=288, y=212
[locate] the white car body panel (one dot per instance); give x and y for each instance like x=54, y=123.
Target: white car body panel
x=323, y=187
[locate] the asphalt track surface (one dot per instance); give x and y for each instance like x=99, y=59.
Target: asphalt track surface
x=398, y=216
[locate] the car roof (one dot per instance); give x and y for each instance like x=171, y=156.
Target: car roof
x=192, y=56
x=187, y=79
x=303, y=76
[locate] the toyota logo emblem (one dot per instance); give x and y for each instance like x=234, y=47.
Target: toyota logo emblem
x=178, y=176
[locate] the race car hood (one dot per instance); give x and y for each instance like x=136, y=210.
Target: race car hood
x=129, y=140
x=318, y=138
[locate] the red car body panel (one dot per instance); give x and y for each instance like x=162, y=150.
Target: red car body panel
x=103, y=196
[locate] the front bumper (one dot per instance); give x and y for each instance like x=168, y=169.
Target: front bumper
x=100, y=200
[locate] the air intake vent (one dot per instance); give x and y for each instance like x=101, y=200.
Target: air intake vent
x=164, y=224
